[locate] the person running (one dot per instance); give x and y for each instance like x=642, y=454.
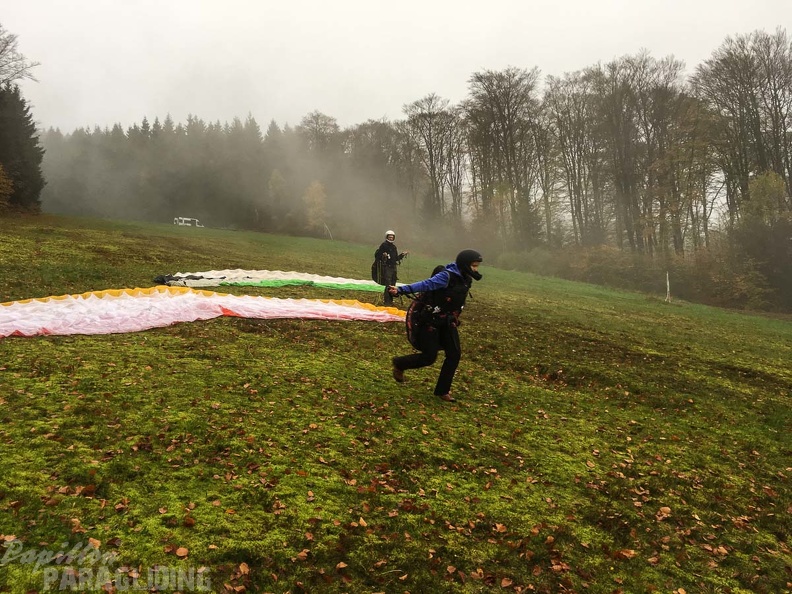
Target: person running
x=386, y=258
x=445, y=293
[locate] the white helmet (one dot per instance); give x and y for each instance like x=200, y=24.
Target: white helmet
x=390, y=232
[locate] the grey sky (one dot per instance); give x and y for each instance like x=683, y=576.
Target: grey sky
x=116, y=61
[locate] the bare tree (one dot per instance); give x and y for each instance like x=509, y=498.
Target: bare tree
x=571, y=107
x=320, y=132
x=547, y=170
x=456, y=162
x=13, y=65
x=659, y=87
x=502, y=114
x=619, y=123
x=428, y=122
x=774, y=56
x=727, y=83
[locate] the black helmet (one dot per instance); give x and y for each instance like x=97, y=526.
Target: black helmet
x=463, y=261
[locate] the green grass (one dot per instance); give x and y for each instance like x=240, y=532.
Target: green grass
x=602, y=441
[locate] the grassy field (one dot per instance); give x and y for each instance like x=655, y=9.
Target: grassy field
x=603, y=442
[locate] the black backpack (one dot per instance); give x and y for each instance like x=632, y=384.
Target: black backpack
x=420, y=314
x=376, y=272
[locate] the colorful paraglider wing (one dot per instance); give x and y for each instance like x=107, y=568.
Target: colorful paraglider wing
x=133, y=310
x=264, y=278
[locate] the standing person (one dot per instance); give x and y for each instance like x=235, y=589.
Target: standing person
x=386, y=258
x=447, y=291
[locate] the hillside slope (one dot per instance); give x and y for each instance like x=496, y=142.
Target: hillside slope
x=602, y=441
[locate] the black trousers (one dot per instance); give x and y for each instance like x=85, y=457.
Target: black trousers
x=389, y=279
x=432, y=341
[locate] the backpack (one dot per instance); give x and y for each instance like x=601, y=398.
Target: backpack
x=420, y=314
x=376, y=272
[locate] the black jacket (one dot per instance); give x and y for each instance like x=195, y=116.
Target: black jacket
x=388, y=254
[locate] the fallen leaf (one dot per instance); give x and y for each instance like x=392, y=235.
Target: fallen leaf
x=182, y=552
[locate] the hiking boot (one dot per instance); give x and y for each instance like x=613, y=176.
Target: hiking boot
x=398, y=374
x=447, y=397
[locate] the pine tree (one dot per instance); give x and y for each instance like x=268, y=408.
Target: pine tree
x=20, y=152
x=6, y=188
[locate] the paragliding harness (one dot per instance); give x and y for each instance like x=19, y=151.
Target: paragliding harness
x=378, y=270
x=431, y=310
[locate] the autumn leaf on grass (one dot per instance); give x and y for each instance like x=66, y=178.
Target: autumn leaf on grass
x=341, y=565
x=624, y=554
x=86, y=491
x=77, y=526
x=662, y=513
x=301, y=556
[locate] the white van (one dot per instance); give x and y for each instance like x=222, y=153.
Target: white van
x=187, y=221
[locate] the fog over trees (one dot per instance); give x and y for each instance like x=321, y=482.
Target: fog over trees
x=617, y=173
